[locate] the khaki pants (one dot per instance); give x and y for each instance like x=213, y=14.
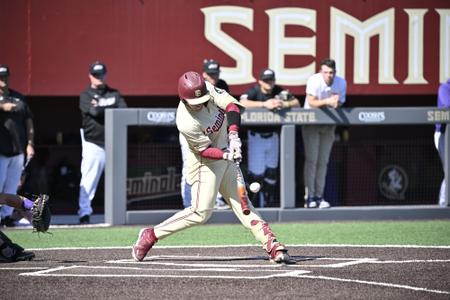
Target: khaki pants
x=318, y=141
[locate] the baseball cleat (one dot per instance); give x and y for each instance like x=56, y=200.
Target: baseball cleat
x=279, y=254
x=146, y=240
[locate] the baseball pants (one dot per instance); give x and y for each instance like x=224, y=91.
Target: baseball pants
x=439, y=143
x=185, y=187
x=262, y=154
x=317, y=141
x=92, y=166
x=10, y=171
x=211, y=177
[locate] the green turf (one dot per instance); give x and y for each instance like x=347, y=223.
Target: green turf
x=357, y=233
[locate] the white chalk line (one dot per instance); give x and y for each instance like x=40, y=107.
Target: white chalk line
x=50, y=273
x=384, y=284
x=288, y=271
x=250, y=245
x=294, y=273
x=207, y=265
x=22, y=268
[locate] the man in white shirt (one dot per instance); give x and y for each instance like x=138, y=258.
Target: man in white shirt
x=323, y=89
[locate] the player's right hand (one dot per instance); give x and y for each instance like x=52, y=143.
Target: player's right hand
x=232, y=156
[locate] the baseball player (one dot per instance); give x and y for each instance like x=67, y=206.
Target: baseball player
x=211, y=74
x=263, y=142
x=16, y=137
x=323, y=89
x=97, y=97
x=10, y=252
x=209, y=119
x=443, y=101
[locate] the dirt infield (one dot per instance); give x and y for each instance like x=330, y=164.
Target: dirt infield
x=231, y=273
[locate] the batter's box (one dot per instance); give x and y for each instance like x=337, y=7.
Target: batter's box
x=246, y=261
x=166, y=272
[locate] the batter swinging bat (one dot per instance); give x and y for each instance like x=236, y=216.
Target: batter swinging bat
x=242, y=191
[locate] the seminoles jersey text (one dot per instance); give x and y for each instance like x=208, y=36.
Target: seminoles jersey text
x=218, y=123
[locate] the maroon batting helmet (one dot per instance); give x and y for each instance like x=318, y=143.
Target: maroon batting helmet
x=192, y=88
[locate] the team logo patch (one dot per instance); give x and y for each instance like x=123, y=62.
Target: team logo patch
x=219, y=91
x=393, y=182
x=198, y=93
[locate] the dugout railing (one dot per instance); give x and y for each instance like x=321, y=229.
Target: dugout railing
x=118, y=120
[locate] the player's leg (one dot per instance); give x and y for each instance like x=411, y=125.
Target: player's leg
x=253, y=221
x=185, y=187
x=11, y=183
x=10, y=252
x=203, y=193
x=92, y=166
x=327, y=136
x=255, y=160
x=3, y=167
x=311, y=145
x=269, y=188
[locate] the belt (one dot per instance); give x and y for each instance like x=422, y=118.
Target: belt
x=264, y=135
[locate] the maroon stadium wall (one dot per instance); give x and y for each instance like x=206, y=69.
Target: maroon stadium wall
x=382, y=47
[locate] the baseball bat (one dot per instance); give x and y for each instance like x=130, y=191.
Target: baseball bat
x=23, y=175
x=242, y=191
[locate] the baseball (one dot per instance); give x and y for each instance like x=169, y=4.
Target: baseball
x=255, y=187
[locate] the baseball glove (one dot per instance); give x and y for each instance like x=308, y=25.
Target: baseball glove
x=41, y=215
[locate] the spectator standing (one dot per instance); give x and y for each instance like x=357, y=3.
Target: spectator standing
x=323, y=90
x=263, y=142
x=443, y=101
x=16, y=140
x=94, y=100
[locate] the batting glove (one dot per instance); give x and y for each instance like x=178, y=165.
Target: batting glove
x=234, y=142
x=232, y=156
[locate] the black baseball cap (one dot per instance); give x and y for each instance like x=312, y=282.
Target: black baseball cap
x=97, y=69
x=4, y=70
x=211, y=66
x=267, y=74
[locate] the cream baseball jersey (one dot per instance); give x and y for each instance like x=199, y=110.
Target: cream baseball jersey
x=206, y=127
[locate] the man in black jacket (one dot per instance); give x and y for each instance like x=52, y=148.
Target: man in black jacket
x=16, y=139
x=93, y=102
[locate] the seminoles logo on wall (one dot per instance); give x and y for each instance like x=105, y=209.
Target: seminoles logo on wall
x=393, y=182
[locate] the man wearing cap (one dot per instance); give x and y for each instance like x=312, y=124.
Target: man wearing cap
x=209, y=119
x=211, y=74
x=263, y=142
x=97, y=97
x=16, y=139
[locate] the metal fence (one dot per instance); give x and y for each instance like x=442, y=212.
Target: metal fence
x=118, y=122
